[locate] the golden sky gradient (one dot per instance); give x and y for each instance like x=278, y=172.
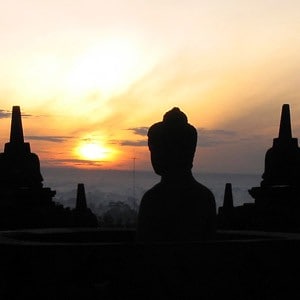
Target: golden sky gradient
x=98, y=73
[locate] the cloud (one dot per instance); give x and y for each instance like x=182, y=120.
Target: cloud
x=4, y=114
x=138, y=143
x=28, y=115
x=139, y=130
x=74, y=162
x=206, y=137
x=216, y=132
x=49, y=138
x=214, y=137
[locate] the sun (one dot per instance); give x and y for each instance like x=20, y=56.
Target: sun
x=93, y=151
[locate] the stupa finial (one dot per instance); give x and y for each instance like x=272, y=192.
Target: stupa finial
x=285, y=129
x=16, y=131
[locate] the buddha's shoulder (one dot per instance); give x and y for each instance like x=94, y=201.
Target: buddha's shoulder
x=156, y=189
x=201, y=188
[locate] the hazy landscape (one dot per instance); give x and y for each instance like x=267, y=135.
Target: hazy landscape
x=106, y=186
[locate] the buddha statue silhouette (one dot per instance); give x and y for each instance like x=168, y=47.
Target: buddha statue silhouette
x=178, y=208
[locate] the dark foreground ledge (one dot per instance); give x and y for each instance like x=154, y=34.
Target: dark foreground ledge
x=108, y=264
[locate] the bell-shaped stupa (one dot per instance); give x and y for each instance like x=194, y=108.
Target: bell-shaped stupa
x=276, y=204
x=282, y=161
x=24, y=202
x=281, y=178
x=19, y=168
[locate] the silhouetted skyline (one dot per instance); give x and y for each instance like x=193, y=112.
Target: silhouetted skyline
x=91, y=77
x=95, y=77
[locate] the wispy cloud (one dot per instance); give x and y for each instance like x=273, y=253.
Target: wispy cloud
x=206, y=137
x=28, y=115
x=128, y=142
x=4, y=114
x=139, y=130
x=138, y=143
x=74, y=162
x=49, y=138
x=214, y=137
x=216, y=132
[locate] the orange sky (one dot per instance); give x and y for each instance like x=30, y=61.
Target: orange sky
x=99, y=73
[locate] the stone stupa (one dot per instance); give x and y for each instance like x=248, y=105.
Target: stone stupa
x=24, y=201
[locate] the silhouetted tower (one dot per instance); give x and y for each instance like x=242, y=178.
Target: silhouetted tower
x=81, y=198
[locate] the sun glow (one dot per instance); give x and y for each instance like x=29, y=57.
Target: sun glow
x=94, y=151
x=106, y=67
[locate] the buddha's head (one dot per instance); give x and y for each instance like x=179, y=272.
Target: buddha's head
x=172, y=143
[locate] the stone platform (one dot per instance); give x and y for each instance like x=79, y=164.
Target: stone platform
x=108, y=264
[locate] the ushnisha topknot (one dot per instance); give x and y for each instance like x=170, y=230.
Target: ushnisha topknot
x=174, y=126
x=174, y=138
x=175, y=117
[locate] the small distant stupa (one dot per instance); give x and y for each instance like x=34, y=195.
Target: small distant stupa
x=24, y=202
x=81, y=198
x=226, y=212
x=228, y=199
x=82, y=214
